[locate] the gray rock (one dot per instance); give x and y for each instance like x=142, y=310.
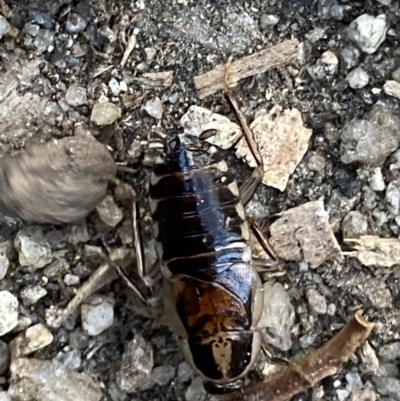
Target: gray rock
x=154, y=108
x=114, y=86
x=196, y=390
x=4, y=357
x=364, y=395
x=97, y=314
x=8, y=312
x=317, y=301
x=30, y=295
x=71, y=279
x=389, y=386
x=350, y=56
x=392, y=198
x=396, y=74
x=109, y=212
x=136, y=365
x=358, y=78
x=185, y=372
x=368, y=32
x=278, y=316
x=40, y=380
x=76, y=96
x=268, y=21
x=4, y=265
x=316, y=163
x=31, y=29
x=71, y=359
x=163, y=375
x=105, y=113
x=58, y=182
x=44, y=40
x=354, y=225
x=388, y=370
x=5, y=27
x=75, y=23
x=342, y=394
x=376, y=181
x=34, y=338
x=33, y=249
x=354, y=382
x=390, y=352
x=357, y=136
x=4, y=396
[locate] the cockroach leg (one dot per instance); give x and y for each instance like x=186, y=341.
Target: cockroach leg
x=277, y=360
x=263, y=240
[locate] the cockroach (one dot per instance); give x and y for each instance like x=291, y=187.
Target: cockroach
x=212, y=290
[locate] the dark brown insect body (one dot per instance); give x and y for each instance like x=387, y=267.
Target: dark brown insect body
x=213, y=294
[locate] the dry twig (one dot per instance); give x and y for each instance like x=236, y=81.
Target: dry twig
x=256, y=63
x=319, y=364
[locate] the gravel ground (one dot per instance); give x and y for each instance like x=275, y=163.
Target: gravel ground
x=60, y=60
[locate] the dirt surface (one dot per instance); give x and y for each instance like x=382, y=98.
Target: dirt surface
x=56, y=46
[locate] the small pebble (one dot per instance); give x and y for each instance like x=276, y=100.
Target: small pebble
x=154, y=108
x=390, y=352
x=8, y=312
x=97, y=314
x=109, y=212
x=354, y=225
x=30, y=295
x=105, y=113
x=5, y=27
x=44, y=40
x=354, y=382
x=4, y=396
x=376, y=181
x=185, y=372
x=113, y=84
x=71, y=279
x=396, y=75
x=268, y=20
x=35, y=338
x=136, y=365
x=357, y=137
x=342, y=394
x=76, y=96
x=368, y=32
x=31, y=29
x=364, y=395
x=162, y=375
x=196, y=390
x=44, y=380
x=329, y=58
x=75, y=23
x=317, y=301
x=278, y=316
x=392, y=88
x=392, y=198
x=4, y=357
x=358, y=78
x=369, y=360
x=33, y=248
x=389, y=386
x=72, y=359
x=350, y=56
x=316, y=163
x=4, y=265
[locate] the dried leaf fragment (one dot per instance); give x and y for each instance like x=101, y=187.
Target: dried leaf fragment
x=284, y=53
x=371, y=250
x=304, y=233
x=282, y=140
x=319, y=364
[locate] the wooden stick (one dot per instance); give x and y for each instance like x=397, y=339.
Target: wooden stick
x=213, y=80
x=319, y=364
